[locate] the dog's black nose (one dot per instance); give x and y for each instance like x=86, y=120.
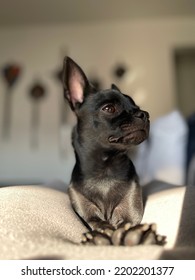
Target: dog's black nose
x=141, y=115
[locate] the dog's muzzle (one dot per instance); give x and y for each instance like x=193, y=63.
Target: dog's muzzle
x=134, y=131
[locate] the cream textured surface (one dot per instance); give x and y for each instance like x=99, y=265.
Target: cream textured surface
x=39, y=223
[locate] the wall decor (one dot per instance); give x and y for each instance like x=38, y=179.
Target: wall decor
x=11, y=72
x=96, y=83
x=58, y=74
x=119, y=71
x=64, y=108
x=37, y=93
x=64, y=112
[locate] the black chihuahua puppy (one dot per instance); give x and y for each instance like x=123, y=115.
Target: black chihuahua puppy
x=104, y=189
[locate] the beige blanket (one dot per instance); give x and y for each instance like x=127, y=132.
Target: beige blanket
x=39, y=223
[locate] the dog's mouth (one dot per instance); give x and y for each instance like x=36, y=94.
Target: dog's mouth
x=134, y=137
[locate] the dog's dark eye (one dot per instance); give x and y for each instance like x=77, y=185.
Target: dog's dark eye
x=109, y=108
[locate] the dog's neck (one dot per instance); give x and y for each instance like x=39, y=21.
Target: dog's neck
x=101, y=162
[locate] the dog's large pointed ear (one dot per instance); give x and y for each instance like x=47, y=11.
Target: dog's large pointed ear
x=74, y=81
x=113, y=86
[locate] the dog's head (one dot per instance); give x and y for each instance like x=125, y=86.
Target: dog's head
x=108, y=117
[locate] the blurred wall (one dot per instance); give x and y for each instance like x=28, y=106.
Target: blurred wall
x=145, y=46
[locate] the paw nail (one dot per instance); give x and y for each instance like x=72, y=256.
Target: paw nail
x=108, y=232
x=89, y=236
x=153, y=227
x=84, y=239
x=100, y=230
x=145, y=227
x=161, y=239
x=127, y=226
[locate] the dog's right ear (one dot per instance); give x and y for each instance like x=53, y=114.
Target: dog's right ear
x=74, y=81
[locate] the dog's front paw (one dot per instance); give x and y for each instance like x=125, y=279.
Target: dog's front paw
x=144, y=234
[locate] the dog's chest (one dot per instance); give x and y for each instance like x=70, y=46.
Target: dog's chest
x=107, y=194
x=106, y=190
x=101, y=187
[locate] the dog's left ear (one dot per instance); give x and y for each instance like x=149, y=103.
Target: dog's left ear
x=113, y=86
x=75, y=82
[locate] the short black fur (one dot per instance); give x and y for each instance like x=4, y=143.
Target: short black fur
x=104, y=189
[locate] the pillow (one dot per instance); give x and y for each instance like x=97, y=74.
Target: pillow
x=39, y=223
